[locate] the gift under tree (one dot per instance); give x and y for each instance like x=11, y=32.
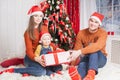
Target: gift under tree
x=59, y=24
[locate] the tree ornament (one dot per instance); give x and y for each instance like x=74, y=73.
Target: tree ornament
x=53, y=2
x=67, y=25
x=57, y=17
x=57, y=7
x=56, y=41
x=67, y=18
x=58, y=2
x=49, y=1
x=61, y=10
x=50, y=8
x=46, y=22
x=52, y=27
x=62, y=23
x=65, y=34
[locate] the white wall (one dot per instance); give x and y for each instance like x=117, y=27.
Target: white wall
x=87, y=7
x=13, y=22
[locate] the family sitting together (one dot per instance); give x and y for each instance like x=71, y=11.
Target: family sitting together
x=89, y=47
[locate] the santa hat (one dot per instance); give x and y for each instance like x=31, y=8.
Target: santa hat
x=99, y=17
x=35, y=10
x=44, y=33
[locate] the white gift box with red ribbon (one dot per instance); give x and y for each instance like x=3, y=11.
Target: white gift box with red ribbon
x=57, y=58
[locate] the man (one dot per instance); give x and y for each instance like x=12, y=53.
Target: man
x=90, y=44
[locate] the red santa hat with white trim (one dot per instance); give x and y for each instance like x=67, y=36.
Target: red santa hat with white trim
x=97, y=16
x=35, y=10
x=43, y=34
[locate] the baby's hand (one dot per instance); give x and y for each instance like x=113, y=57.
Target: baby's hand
x=40, y=60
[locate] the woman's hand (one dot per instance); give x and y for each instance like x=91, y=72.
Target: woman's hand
x=74, y=54
x=40, y=60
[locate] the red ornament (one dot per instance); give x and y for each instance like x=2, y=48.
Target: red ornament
x=60, y=32
x=44, y=5
x=46, y=22
x=52, y=27
x=61, y=9
x=69, y=32
x=51, y=17
x=61, y=22
x=61, y=37
x=57, y=17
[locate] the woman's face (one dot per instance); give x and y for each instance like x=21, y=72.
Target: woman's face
x=93, y=25
x=37, y=18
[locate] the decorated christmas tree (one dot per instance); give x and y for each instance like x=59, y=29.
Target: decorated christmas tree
x=59, y=24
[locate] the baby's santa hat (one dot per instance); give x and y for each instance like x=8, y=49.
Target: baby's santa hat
x=97, y=16
x=35, y=10
x=44, y=33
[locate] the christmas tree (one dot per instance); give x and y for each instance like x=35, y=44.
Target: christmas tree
x=59, y=24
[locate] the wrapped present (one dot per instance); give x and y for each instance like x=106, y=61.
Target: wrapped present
x=57, y=58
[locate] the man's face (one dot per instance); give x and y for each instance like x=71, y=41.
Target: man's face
x=93, y=24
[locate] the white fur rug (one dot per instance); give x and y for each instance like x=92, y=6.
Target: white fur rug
x=109, y=72
x=17, y=76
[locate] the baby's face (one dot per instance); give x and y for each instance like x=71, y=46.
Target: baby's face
x=46, y=40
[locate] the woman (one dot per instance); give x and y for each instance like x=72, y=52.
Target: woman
x=34, y=63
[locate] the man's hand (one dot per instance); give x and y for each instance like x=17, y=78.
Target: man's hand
x=74, y=54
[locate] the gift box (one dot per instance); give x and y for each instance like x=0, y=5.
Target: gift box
x=57, y=58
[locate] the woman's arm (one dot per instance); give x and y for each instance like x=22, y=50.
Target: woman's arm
x=28, y=44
